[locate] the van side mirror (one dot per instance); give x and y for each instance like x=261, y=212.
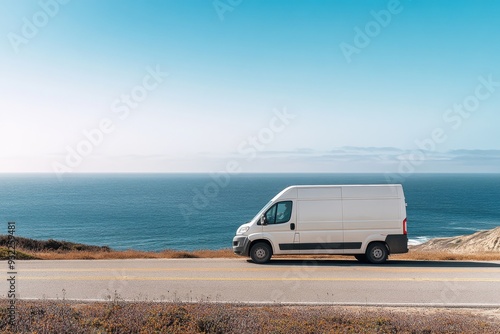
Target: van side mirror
x=263, y=220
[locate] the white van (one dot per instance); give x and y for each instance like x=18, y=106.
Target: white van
x=367, y=221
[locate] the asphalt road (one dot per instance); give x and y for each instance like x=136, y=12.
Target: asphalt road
x=439, y=283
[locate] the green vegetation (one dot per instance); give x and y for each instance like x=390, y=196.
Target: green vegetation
x=4, y=255
x=51, y=245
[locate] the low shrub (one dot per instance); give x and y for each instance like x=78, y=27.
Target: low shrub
x=212, y=318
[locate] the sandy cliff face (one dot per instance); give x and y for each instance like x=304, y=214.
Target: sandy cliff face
x=482, y=241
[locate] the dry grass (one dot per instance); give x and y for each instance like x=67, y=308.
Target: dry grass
x=228, y=253
x=147, y=317
x=64, y=250
x=131, y=254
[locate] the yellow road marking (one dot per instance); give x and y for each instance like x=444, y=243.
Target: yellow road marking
x=335, y=279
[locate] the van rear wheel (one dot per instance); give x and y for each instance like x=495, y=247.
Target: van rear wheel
x=377, y=253
x=261, y=253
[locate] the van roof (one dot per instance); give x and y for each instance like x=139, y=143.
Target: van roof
x=341, y=191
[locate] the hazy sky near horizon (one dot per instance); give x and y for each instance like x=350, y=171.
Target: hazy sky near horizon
x=255, y=86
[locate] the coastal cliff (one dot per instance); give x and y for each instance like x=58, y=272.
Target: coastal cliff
x=482, y=241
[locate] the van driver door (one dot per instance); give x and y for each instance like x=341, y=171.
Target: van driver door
x=279, y=225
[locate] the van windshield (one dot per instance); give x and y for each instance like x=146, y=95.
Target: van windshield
x=257, y=216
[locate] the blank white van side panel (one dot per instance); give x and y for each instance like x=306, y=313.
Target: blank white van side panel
x=319, y=192
x=375, y=191
x=319, y=222
x=371, y=213
x=373, y=220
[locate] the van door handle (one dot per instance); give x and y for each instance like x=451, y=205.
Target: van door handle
x=292, y=226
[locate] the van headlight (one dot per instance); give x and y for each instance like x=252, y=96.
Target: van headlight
x=242, y=229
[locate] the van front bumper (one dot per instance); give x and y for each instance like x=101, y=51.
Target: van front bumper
x=241, y=245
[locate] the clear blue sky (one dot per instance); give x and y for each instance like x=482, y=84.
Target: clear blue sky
x=369, y=86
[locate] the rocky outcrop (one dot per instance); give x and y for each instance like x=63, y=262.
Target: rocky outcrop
x=482, y=241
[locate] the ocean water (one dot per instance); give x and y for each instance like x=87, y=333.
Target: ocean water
x=200, y=211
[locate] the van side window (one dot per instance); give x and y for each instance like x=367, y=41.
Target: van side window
x=283, y=212
x=279, y=213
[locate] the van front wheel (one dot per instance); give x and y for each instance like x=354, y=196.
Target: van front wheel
x=377, y=253
x=261, y=253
